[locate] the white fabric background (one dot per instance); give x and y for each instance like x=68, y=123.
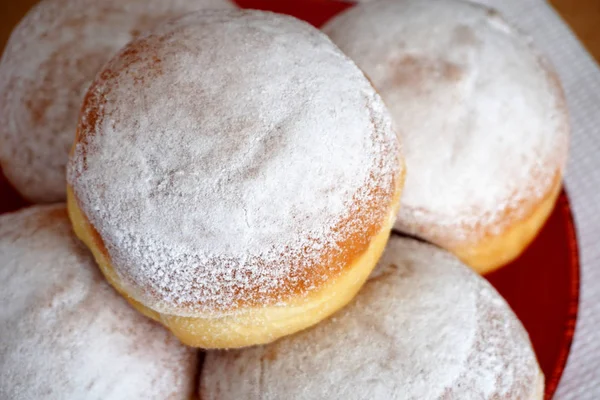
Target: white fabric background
x=580, y=76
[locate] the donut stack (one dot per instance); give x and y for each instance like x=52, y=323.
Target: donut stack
x=233, y=180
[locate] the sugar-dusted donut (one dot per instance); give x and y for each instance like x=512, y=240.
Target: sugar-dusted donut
x=423, y=327
x=50, y=60
x=235, y=175
x=482, y=117
x=66, y=334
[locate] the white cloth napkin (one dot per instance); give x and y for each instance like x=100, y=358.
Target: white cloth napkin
x=580, y=76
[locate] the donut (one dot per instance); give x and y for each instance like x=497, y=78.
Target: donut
x=482, y=117
x=424, y=326
x=235, y=175
x=66, y=334
x=50, y=60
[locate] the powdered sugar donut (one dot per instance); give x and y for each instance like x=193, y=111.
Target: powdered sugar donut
x=49, y=62
x=235, y=175
x=423, y=327
x=66, y=334
x=482, y=116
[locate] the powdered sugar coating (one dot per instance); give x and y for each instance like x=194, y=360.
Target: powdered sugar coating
x=423, y=327
x=65, y=333
x=228, y=159
x=50, y=60
x=482, y=116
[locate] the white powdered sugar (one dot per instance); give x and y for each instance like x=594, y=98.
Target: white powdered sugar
x=226, y=159
x=481, y=115
x=423, y=327
x=66, y=334
x=50, y=60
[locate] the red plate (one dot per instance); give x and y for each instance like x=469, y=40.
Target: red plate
x=542, y=286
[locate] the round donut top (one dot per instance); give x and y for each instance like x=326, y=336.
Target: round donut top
x=50, y=60
x=234, y=159
x=65, y=333
x=423, y=327
x=482, y=116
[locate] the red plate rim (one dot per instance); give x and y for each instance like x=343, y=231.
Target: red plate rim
x=553, y=381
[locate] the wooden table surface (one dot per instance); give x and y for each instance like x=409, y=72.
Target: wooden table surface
x=582, y=15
